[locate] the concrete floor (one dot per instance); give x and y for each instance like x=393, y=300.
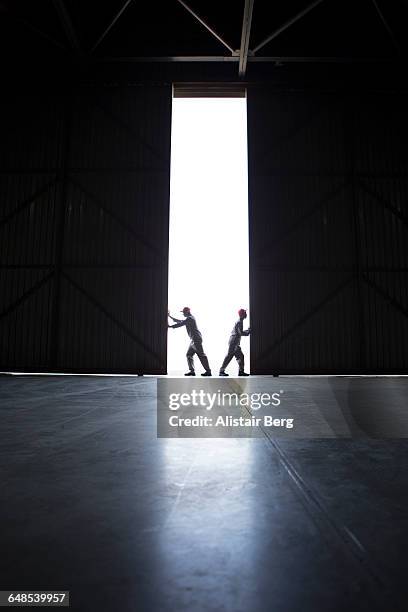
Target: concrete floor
x=93, y=502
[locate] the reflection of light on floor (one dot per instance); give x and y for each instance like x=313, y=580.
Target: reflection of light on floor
x=209, y=488
x=208, y=255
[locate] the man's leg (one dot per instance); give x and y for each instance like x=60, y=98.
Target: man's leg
x=190, y=359
x=202, y=357
x=228, y=357
x=239, y=356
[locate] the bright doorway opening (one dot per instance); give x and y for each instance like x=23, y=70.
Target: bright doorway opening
x=208, y=249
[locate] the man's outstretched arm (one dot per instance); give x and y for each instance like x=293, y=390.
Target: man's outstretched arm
x=174, y=319
x=246, y=332
x=178, y=324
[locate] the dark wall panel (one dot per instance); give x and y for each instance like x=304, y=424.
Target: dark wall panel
x=84, y=230
x=328, y=232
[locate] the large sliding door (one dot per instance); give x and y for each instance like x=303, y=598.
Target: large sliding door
x=328, y=212
x=84, y=230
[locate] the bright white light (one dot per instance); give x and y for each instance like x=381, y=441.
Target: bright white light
x=208, y=258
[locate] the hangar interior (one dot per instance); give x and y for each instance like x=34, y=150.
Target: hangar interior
x=93, y=501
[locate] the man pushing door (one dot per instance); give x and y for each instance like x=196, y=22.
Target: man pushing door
x=234, y=345
x=196, y=342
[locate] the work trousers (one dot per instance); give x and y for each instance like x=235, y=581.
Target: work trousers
x=234, y=351
x=196, y=348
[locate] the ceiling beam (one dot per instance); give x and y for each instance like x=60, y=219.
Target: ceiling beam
x=245, y=36
x=319, y=59
x=386, y=25
x=278, y=60
x=111, y=24
x=67, y=24
x=169, y=59
x=12, y=15
x=207, y=27
x=287, y=24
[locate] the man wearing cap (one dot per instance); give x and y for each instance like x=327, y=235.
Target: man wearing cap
x=234, y=348
x=196, y=342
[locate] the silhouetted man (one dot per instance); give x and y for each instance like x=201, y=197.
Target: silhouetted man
x=234, y=348
x=196, y=342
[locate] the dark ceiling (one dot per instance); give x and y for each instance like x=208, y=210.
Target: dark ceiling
x=54, y=32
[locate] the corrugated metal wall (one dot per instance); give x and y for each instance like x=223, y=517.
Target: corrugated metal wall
x=328, y=232
x=84, y=230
